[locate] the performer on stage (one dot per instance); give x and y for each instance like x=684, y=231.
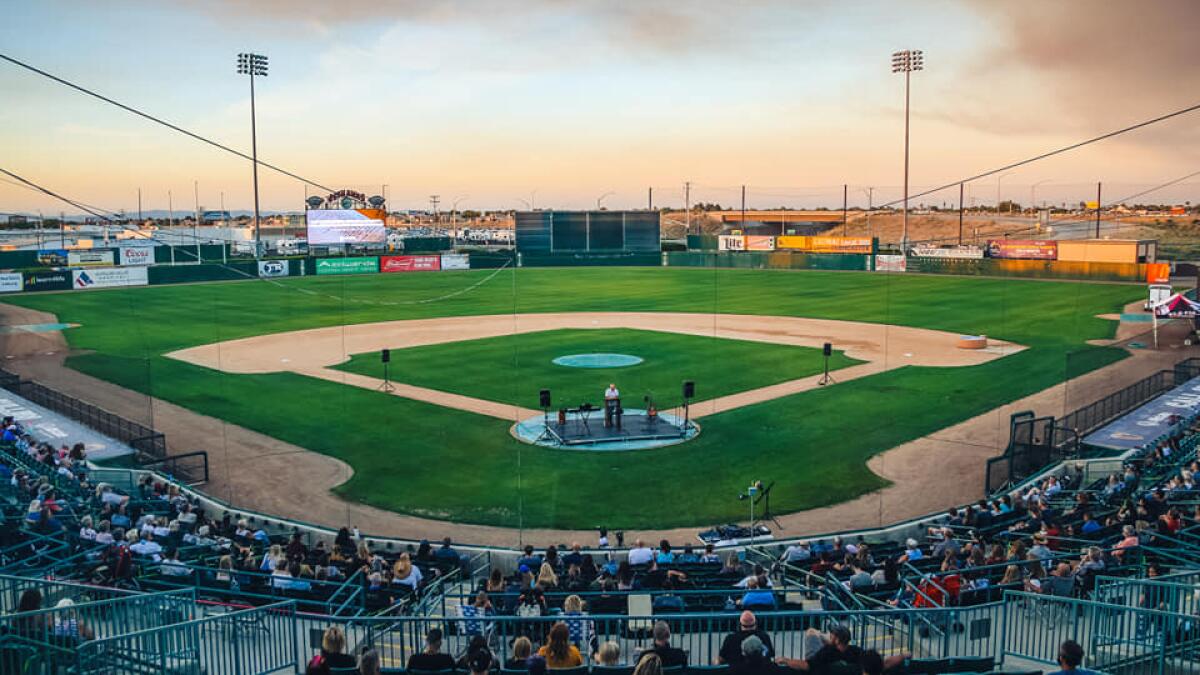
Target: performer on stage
x=612, y=406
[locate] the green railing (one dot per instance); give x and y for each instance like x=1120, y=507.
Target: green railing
x=12, y=587
x=69, y=625
x=968, y=632
x=1165, y=596
x=1114, y=638
x=262, y=640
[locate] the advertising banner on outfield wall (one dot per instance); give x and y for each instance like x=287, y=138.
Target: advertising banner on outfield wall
x=11, y=282
x=108, y=277
x=760, y=243
x=456, y=261
x=88, y=257
x=137, y=255
x=410, y=263
x=57, y=280
x=1023, y=249
x=272, y=268
x=347, y=265
x=891, y=263
x=825, y=244
x=731, y=242
x=52, y=257
x=960, y=252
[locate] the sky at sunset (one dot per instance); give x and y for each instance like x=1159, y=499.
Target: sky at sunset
x=558, y=101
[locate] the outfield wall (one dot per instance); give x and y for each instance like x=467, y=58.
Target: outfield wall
x=990, y=267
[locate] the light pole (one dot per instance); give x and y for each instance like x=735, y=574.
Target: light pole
x=454, y=215
x=253, y=65
x=601, y=198
x=998, y=192
x=1033, y=193
x=906, y=62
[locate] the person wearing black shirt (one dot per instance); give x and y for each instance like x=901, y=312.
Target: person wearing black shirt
x=731, y=647
x=838, y=650
x=671, y=656
x=754, y=661
x=431, y=659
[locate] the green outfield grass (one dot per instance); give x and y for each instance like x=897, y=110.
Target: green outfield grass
x=484, y=368
x=426, y=460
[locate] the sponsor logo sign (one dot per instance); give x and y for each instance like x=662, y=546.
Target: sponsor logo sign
x=1022, y=249
x=964, y=252
x=347, y=265
x=87, y=257
x=410, y=263
x=12, y=282
x=108, y=277
x=137, y=255
x=760, y=243
x=272, y=268
x=52, y=257
x=891, y=263
x=456, y=261
x=825, y=244
x=731, y=242
x=47, y=281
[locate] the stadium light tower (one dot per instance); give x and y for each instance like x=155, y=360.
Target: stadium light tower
x=254, y=65
x=906, y=62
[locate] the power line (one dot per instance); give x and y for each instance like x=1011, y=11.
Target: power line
x=1052, y=153
x=158, y=120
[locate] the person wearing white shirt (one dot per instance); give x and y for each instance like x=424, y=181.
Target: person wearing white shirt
x=640, y=554
x=612, y=392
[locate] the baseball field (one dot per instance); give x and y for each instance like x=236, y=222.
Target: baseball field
x=420, y=455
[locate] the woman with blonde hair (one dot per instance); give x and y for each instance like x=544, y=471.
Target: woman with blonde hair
x=1012, y=575
x=546, y=577
x=609, y=655
x=522, y=649
x=558, y=650
x=404, y=573
x=582, y=633
x=333, y=644
x=649, y=664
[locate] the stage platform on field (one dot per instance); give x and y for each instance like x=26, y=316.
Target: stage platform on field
x=587, y=431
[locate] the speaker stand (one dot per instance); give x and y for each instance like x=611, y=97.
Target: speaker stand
x=386, y=385
x=826, y=378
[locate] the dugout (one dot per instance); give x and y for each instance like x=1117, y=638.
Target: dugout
x=587, y=231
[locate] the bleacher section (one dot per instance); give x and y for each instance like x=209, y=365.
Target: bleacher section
x=106, y=570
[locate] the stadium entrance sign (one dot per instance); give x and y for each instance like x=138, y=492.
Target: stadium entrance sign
x=347, y=265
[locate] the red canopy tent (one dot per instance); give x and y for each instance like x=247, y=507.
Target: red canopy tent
x=1175, y=307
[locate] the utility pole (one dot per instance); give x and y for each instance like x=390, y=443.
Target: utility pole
x=1098, y=210
x=743, y=221
x=870, y=208
x=433, y=201
x=844, y=226
x=960, y=212
x=687, y=206
x=906, y=62
x=650, y=198
x=140, y=221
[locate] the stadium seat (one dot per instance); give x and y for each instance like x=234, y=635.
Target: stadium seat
x=612, y=670
x=927, y=666
x=581, y=670
x=709, y=670
x=972, y=664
